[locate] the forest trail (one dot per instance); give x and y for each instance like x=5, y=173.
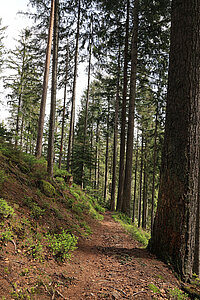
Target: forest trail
x=111, y=265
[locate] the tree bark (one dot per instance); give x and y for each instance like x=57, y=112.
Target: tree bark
x=72, y=119
x=106, y=158
x=154, y=169
x=173, y=236
x=123, y=117
x=45, y=84
x=112, y=201
x=141, y=173
x=50, y=153
x=64, y=108
x=135, y=181
x=87, y=104
x=144, y=207
x=126, y=204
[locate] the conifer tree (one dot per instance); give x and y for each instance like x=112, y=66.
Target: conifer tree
x=178, y=195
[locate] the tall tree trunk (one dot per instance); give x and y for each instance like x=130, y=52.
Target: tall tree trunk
x=123, y=117
x=196, y=265
x=154, y=169
x=141, y=173
x=175, y=221
x=112, y=202
x=87, y=104
x=50, y=153
x=135, y=181
x=106, y=159
x=96, y=156
x=64, y=108
x=126, y=204
x=45, y=84
x=144, y=207
x=72, y=119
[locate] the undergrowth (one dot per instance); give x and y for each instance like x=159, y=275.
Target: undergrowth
x=137, y=233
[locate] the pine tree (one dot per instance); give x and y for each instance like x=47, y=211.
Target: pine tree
x=177, y=205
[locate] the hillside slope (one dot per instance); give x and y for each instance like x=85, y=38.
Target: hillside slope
x=57, y=242
x=40, y=223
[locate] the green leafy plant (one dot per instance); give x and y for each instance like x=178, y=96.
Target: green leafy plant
x=178, y=294
x=5, y=209
x=36, y=210
x=154, y=288
x=62, y=244
x=34, y=248
x=86, y=227
x=6, y=236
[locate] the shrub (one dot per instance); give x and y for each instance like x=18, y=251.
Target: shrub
x=178, y=294
x=5, y=209
x=47, y=188
x=36, y=210
x=34, y=249
x=62, y=244
x=3, y=177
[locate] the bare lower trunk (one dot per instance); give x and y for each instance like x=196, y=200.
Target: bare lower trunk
x=126, y=204
x=112, y=202
x=173, y=236
x=64, y=108
x=123, y=117
x=50, y=154
x=72, y=119
x=135, y=181
x=140, y=194
x=45, y=84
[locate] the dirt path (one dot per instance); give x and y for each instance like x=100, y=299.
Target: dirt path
x=111, y=265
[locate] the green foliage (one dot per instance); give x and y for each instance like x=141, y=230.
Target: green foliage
x=60, y=173
x=6, y=236
x=86, y=227
x=137, y=233
x=47, y=188
x=36, y=210
x=154, y=288
x=34, y=248
x=23, y=293
x=62, y=244
x=178, y=294
x=5, y=209
x=3, y=177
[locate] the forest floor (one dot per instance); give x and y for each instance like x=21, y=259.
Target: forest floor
x=111, y=265
x=108, y=264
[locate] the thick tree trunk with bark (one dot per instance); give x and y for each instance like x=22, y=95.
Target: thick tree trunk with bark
x=173, y=236
x=72, y=119
x=126, y=204
x=154, y=170
x=45, y=84
x=123, y=117
x=50, y=153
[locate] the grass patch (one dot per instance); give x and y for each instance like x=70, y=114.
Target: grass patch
x=137, y=233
